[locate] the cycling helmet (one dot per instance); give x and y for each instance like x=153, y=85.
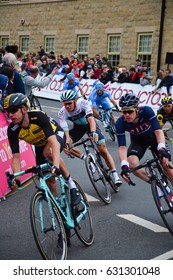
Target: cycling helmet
x=15, y=100
x=70, y=76
x=166, y=100
x=128, y=100
x=68, y=95
x=99, y=86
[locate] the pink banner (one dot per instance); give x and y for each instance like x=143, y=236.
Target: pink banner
x=26, y=156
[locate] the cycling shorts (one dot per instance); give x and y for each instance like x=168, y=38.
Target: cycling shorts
x=78, y=131
x=138, y=148
x=40, y=159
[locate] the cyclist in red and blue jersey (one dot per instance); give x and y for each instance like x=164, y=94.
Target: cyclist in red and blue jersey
x=145, y=131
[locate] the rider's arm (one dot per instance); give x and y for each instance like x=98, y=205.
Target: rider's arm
x=122, y=153
x=55, y=146
x=95, y=112
x=92, y=123
x=160, y=137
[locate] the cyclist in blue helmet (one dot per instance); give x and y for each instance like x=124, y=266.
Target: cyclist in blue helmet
x=72, y=83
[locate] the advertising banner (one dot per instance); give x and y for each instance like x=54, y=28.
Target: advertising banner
x=146, y=97
x=26, y=156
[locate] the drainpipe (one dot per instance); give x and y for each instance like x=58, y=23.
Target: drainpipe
x=161, y=33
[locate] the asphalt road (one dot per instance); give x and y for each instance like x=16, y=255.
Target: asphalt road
x=130, y=228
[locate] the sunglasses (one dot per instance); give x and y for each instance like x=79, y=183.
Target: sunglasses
x=68, y=103
x=167, y=106
x=128, y=111
x=12, y=110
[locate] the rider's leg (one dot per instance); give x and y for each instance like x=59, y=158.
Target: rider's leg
x=141, y=173
x=109, y=161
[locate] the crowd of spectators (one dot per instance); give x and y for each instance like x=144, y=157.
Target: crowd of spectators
x=12, y=63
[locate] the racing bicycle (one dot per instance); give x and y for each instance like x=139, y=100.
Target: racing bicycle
x=108, y=122
x=34, y=102
x=161, y=188
x=52, y=218
x=97, y=170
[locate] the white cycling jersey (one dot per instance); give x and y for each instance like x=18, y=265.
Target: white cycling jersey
x=79, y=116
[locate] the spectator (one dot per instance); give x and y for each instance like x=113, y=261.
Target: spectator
x=145, y=79
x=123, y=76
x=3, y=91
x=31, y=82
x=51, y=64
x=98, y=60
x=9, y=72
x=96, y=72
x=89, y=71
x=134, y=77
x=167, y=81
x=9, y=60
x=75, y=70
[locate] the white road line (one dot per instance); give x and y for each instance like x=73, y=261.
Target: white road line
x=166, y=256
x=91, y=198
x=143, y=223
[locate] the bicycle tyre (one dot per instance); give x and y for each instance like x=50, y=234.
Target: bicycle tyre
x=35, y=103
x=84, y=228
x=109, y=128
x=163, y=205
x=47, y=242
x=98, y=180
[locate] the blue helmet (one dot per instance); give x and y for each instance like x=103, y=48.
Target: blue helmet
x=70, y=76
x=99, y=86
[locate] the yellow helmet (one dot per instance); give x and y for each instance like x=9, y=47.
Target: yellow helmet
x=166, y=100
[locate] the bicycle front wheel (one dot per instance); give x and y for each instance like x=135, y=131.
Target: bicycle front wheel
x=163, y=203
x=51, y=241
x=98, y=180
x=111, y=130
x=82, y=214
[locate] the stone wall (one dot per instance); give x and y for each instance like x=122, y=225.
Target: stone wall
x=98, y=18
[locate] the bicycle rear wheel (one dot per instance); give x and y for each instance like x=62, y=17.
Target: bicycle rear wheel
x=163, y=203
x=84, y=227
x=51, y=243
x=98, y=180
x=35, y=103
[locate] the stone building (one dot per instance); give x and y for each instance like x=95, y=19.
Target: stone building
x=121, y=30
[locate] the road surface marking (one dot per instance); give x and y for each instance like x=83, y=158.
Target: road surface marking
x=143, y=223
x=91, y=198
x=166, y=256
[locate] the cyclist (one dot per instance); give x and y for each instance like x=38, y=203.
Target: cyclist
x=80, y=113
x=165, y=112
x=145, y=131
x=72, y=83
x=101, y=97
x=36, y=128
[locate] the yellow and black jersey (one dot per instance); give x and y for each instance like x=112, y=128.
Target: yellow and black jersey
x=41, y=127
x=163, y=117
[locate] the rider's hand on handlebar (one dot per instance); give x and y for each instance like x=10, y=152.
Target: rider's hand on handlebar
x=56, y=171
x=94, y=136
x=125, y=173
x=164, y=156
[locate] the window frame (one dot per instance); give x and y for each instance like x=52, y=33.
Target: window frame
x=145, y=56
x=115, y=60
x=83, y=53
x=47, y=47
x=21, y=38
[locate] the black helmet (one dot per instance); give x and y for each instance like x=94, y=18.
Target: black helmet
x=166, y=100
x=128, y=100
x=15, y=100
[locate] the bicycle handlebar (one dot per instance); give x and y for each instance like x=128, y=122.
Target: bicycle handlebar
x=34, y=169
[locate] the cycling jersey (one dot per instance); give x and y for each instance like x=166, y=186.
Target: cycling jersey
x=163, y=117
x=40, y=128
x=67, y=86
x=103, y=100
x=78, y=116
x=143, y=129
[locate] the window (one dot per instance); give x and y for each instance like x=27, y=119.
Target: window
x=24, y=43
x=82, y=46
x=4, y=41
x=145, y=48
x=114, y=49
x=49, y=44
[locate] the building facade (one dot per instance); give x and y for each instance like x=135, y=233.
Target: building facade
x=121, y=30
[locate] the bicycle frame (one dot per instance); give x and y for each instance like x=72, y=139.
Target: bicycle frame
x=61, y=201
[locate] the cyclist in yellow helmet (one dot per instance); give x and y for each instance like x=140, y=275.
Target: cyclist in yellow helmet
x=165, y=112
